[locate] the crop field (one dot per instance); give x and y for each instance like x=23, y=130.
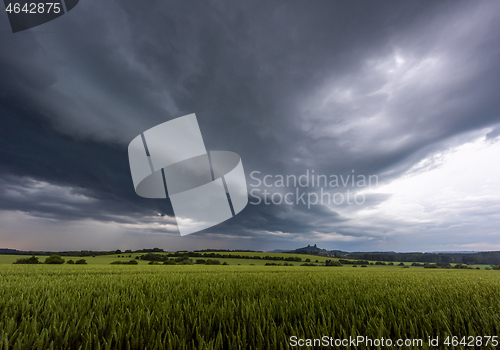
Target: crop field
x=239, y=307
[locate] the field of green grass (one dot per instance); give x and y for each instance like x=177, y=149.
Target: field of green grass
x=231, y=307
x=107, y=259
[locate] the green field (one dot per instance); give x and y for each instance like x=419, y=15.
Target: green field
x=231, y=307
x=107, y=259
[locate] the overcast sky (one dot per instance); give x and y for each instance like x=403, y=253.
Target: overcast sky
x=407, y=91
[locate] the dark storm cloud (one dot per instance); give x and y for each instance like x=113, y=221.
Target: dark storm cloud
x=330, y=86
x=32, y=150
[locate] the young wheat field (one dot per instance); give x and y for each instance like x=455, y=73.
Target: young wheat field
x=239, y=307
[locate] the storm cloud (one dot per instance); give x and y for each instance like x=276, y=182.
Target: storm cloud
x=392, y=89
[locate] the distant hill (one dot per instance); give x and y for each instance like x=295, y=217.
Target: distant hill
x=311, y=250
x=10, y=251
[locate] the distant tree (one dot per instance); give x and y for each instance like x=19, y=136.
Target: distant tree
x=169, y=262
x=212, y=262
x=401, y=264
x=182, y=258
x=225, y=263
x=54, y=259
x=71, y=262
x=186, y=262
x=32, y=260
x=118, y=251
x=131, y=262
x=333, y=263
x=470, y=259
x=200, y=261
x=81, y=262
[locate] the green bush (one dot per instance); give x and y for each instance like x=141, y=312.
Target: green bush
x=131, y=262
x=401, y=264
x=212, y=262
x=54, y=259
x=430, y=266
x=186, y=262
x=81, y=262
x=182, y=258
x=32, y=260
x=70, y=262
x=201, y=261
x=169, y=262
x=353, y=262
